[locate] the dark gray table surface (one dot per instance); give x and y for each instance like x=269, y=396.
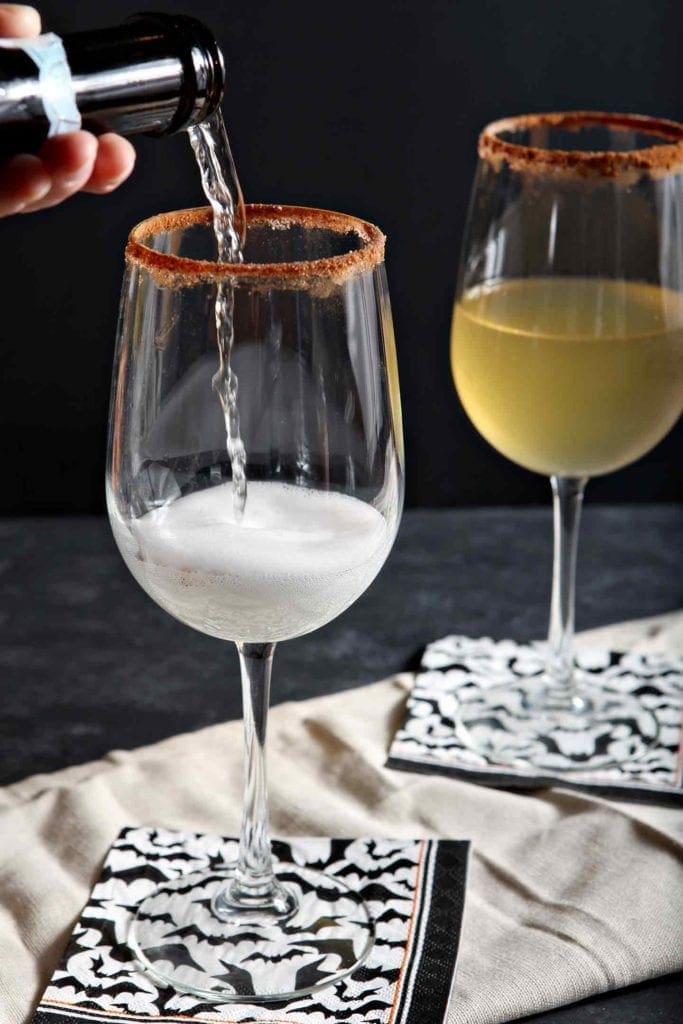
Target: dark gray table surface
x=89, y=663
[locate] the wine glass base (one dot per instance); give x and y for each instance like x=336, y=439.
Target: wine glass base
x=180, y=942
x=509, y=725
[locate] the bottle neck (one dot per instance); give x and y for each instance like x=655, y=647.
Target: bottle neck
x=155, y=73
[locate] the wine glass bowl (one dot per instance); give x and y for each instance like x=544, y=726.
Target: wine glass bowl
x=567, y=356
x=319, y=417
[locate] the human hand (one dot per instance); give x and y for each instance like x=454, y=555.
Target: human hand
x=65, y=164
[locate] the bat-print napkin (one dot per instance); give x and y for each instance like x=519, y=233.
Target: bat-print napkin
x=414, y=890
x=456, y=667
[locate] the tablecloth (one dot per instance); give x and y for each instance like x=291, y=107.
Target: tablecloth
x=569, y=895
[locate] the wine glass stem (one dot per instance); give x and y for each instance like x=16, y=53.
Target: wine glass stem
x=254, y=874
x=567, y=502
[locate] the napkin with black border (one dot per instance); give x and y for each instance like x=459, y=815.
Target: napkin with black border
x=414, y=888
x=428, y=740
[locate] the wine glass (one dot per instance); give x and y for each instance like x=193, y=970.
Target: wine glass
x=318, y=412
x=567, y=355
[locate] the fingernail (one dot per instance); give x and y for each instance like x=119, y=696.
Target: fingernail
x=27, y=18
x=18, y=8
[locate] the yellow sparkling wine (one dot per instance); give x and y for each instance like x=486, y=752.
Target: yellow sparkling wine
x=568, y=375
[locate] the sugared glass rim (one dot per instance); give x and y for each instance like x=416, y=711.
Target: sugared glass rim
x=171, y=270
x=656, y=160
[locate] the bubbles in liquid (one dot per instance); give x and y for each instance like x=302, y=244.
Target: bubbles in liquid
x=296, y=560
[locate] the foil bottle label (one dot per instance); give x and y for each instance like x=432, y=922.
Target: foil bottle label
x=54, y=76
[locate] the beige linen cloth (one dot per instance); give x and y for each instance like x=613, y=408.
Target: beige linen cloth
x=568, y=895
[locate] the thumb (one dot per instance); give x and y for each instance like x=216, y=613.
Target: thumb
x=19, y=21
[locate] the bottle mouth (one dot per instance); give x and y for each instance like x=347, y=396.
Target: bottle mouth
x=287, y=247
x=203, y=67
x=585, y=143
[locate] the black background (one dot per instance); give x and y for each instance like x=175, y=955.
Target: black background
x=373, y=108
x=369, y=107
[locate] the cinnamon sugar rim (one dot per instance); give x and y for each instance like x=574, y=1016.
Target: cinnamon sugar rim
x=656, y=159
x=337, y=268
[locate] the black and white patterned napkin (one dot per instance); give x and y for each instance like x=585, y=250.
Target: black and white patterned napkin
x=414, y=889
x=427, y=741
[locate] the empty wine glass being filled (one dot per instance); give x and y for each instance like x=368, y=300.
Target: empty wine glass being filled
x=267, y=548
x=567, y=355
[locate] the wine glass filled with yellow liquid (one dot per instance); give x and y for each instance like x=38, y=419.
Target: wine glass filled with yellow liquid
x=567, y=356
